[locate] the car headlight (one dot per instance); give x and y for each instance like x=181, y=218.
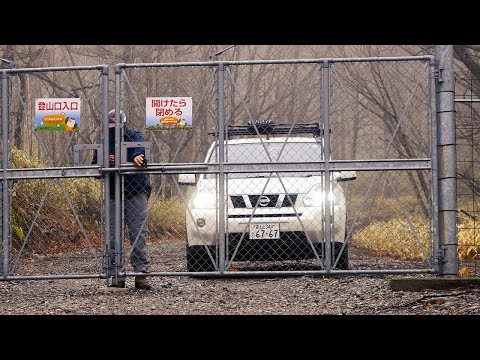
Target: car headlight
x=316, y=196
x=205, y=198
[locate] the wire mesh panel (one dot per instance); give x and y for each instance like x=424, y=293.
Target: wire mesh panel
x=468, y=151
x=381, y=110
x=170, y=148
x=280, y=143
x=54, y=206
x=381, y=117
x=273, y=220
x=4, y=243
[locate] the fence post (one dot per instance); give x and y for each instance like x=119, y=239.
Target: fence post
x=118, y=208
x=106, y=178
x=327, y=188
x=221, y=159
x=5, y=208
x=447, y=165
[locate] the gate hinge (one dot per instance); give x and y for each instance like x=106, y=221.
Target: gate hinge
x=442, y=254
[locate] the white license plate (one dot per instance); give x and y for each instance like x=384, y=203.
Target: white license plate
x=265, y=231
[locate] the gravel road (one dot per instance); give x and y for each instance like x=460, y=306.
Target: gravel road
x=183, y=295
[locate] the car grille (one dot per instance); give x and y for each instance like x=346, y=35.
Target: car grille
x=247, y=216
x=263, y=201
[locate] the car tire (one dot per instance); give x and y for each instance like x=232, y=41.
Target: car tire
x=342, y=263
x=198, y=259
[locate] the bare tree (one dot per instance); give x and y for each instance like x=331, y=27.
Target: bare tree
x=394, y=103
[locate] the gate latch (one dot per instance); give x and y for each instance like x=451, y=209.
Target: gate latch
x=438, y=74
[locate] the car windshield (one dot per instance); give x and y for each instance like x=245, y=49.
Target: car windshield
x=247, y=153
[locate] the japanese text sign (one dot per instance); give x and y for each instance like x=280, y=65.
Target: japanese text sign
x=168, y=113
x=57, y=114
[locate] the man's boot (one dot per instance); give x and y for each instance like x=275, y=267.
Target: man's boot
x=141, y=282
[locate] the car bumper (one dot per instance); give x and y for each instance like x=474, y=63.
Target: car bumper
x=305, y=226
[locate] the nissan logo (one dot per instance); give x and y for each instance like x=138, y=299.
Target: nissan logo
x=263, y=201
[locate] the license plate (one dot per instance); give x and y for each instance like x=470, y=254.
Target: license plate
x=265, y=231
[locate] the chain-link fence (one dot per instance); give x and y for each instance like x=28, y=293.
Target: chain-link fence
x=290, y=166
x=256, y=198
x=467, y=106
x=51, y=207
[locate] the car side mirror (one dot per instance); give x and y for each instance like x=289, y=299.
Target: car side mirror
x=187, y=179
x=345, y=175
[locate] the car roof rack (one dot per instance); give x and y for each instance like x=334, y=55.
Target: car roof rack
x=270, y=128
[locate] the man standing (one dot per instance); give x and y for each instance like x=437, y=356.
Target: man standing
x=137, y=190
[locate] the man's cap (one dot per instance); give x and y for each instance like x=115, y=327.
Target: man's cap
x=112, y=118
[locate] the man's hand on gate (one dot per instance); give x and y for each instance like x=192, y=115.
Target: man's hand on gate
x=139, y=160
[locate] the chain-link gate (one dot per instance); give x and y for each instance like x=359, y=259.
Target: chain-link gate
x=290, y=167
x=244, y=191
x=467, y=106
x=51, y=208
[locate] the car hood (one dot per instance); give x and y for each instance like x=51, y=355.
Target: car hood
x=256, y=185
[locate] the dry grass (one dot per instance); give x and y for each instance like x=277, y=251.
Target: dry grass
x=43, y=220
x=167, y=215
x=395, y=238
x=468, y=236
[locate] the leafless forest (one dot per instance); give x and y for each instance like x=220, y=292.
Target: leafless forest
x=467, y=71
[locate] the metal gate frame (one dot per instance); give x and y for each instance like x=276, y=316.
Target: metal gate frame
x=9, y=174
x=441, y=163
x=440, y=259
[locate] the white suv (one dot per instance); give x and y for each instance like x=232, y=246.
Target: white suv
x=269, y=216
